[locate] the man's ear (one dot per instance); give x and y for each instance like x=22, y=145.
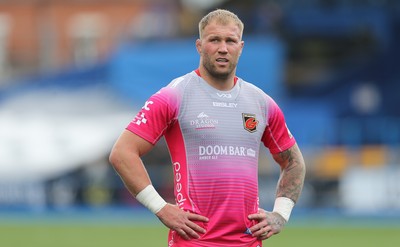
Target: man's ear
x=198, y=46
x=241, y=48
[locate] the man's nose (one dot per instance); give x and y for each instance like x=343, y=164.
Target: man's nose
x=223, y=47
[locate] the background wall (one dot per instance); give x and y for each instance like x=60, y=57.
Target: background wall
x=74, y=73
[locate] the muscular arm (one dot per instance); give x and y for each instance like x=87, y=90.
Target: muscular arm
x=125, y=158
x=289, y=185
x=293, y=171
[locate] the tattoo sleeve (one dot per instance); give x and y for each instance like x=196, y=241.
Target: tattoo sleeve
x=292, y=175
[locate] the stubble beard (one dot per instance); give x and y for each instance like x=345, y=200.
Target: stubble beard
x=213, y=71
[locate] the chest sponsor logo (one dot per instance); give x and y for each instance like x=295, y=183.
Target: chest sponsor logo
x=214, y=151
x=203, y=121
x=250, y=122
x=225, y=104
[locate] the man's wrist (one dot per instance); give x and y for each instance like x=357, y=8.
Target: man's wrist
x=283, y=206
x=150, y=198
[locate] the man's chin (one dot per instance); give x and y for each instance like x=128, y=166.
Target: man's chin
x=221, y=74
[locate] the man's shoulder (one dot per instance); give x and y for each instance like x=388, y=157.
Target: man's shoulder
x=176, y=88
x=182, y=81
x=252, y=88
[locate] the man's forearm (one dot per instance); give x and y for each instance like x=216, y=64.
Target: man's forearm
x=292, y=176
x=131, y=170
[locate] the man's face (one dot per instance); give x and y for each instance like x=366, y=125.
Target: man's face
x=220, y=48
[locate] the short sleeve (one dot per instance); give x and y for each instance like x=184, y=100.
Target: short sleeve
x=156, y=115
x=277, y=137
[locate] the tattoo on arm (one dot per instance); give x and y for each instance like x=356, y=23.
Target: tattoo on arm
x=293, y=170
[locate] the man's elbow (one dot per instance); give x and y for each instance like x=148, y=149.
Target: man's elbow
x=114, y=157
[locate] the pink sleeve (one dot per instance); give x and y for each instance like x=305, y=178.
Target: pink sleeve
x=158, y=112
x=277, y=137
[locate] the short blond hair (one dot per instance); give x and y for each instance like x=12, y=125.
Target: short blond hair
x=222, y=16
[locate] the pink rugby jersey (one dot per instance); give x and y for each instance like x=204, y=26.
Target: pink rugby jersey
x=213, y=138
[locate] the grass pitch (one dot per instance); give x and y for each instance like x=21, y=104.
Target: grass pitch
x=80, y=232
x=69, y=235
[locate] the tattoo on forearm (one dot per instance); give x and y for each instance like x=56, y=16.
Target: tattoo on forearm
x=291, y=180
